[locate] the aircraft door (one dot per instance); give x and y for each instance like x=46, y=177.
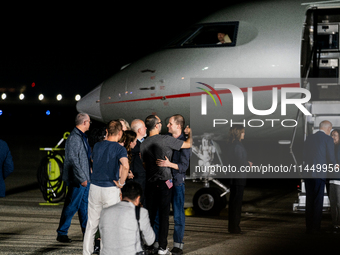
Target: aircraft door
x=320, y=53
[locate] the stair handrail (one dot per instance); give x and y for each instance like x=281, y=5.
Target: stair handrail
x=305, y=82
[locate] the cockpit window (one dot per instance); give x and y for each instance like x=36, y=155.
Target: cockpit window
x=208, y=35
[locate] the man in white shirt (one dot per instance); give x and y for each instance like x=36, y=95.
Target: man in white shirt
x=119, y=227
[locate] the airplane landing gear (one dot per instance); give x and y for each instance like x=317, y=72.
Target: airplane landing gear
x=210, y=200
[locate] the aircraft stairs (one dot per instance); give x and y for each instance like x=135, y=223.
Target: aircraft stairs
x=320, y=59
x=320, y=110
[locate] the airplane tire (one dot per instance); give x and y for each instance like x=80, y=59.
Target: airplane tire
x=207, y=201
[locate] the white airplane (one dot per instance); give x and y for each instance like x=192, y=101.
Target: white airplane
x=270, y=47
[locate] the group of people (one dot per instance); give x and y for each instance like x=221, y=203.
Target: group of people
x=122, y=168
x=322, y=150
x=120, y=171
x=123, y=182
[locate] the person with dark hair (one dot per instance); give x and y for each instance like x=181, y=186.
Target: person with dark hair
x=238, y=158
x=334, y=186
x=122, y=139
x=120, y=230
x=108, y=155
x=159, y=184
x=76, y=175
x=151, y=122
x=97, y=135
x=223, y=38
x=130, y=142
x=6, y=165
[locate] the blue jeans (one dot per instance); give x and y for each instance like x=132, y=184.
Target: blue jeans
x=179, y=216
x=76, y=201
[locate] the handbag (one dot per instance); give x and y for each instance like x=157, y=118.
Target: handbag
x=137, y=209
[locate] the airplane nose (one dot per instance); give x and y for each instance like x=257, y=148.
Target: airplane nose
x=90, y=104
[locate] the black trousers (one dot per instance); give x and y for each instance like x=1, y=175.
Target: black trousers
x=314, y=203
x=235, y=208
x=158, y=198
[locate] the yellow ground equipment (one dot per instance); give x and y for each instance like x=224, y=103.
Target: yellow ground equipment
x=50, y=174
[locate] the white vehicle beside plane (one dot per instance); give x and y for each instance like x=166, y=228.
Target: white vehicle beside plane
x=278, y=45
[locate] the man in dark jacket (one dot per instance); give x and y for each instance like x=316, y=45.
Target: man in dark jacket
x=76, y=174
x=179, y=165
x=6, y=165
x=138, y=126
x=318, y=151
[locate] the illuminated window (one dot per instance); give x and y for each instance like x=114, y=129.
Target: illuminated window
x=206, y=35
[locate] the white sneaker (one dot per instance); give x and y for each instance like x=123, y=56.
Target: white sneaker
x=164, y=252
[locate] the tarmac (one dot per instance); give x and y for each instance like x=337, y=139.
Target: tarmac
x=268, y=223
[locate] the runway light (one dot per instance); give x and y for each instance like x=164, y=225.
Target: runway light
x=48, y=112
x=21, y=96
x=41, y=97
x=59, y=97
x=33, y=84
x=78, y=97
x=3, y=96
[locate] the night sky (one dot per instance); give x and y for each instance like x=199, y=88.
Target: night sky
x=70, y=49
x=66, y=49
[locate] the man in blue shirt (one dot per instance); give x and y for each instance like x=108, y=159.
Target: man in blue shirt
x=179, y=164
x=106, y=179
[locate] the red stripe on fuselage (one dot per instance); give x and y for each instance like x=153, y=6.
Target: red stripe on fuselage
x=224, y=91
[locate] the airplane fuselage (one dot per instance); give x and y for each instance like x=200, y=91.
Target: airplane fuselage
x=266, y=52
